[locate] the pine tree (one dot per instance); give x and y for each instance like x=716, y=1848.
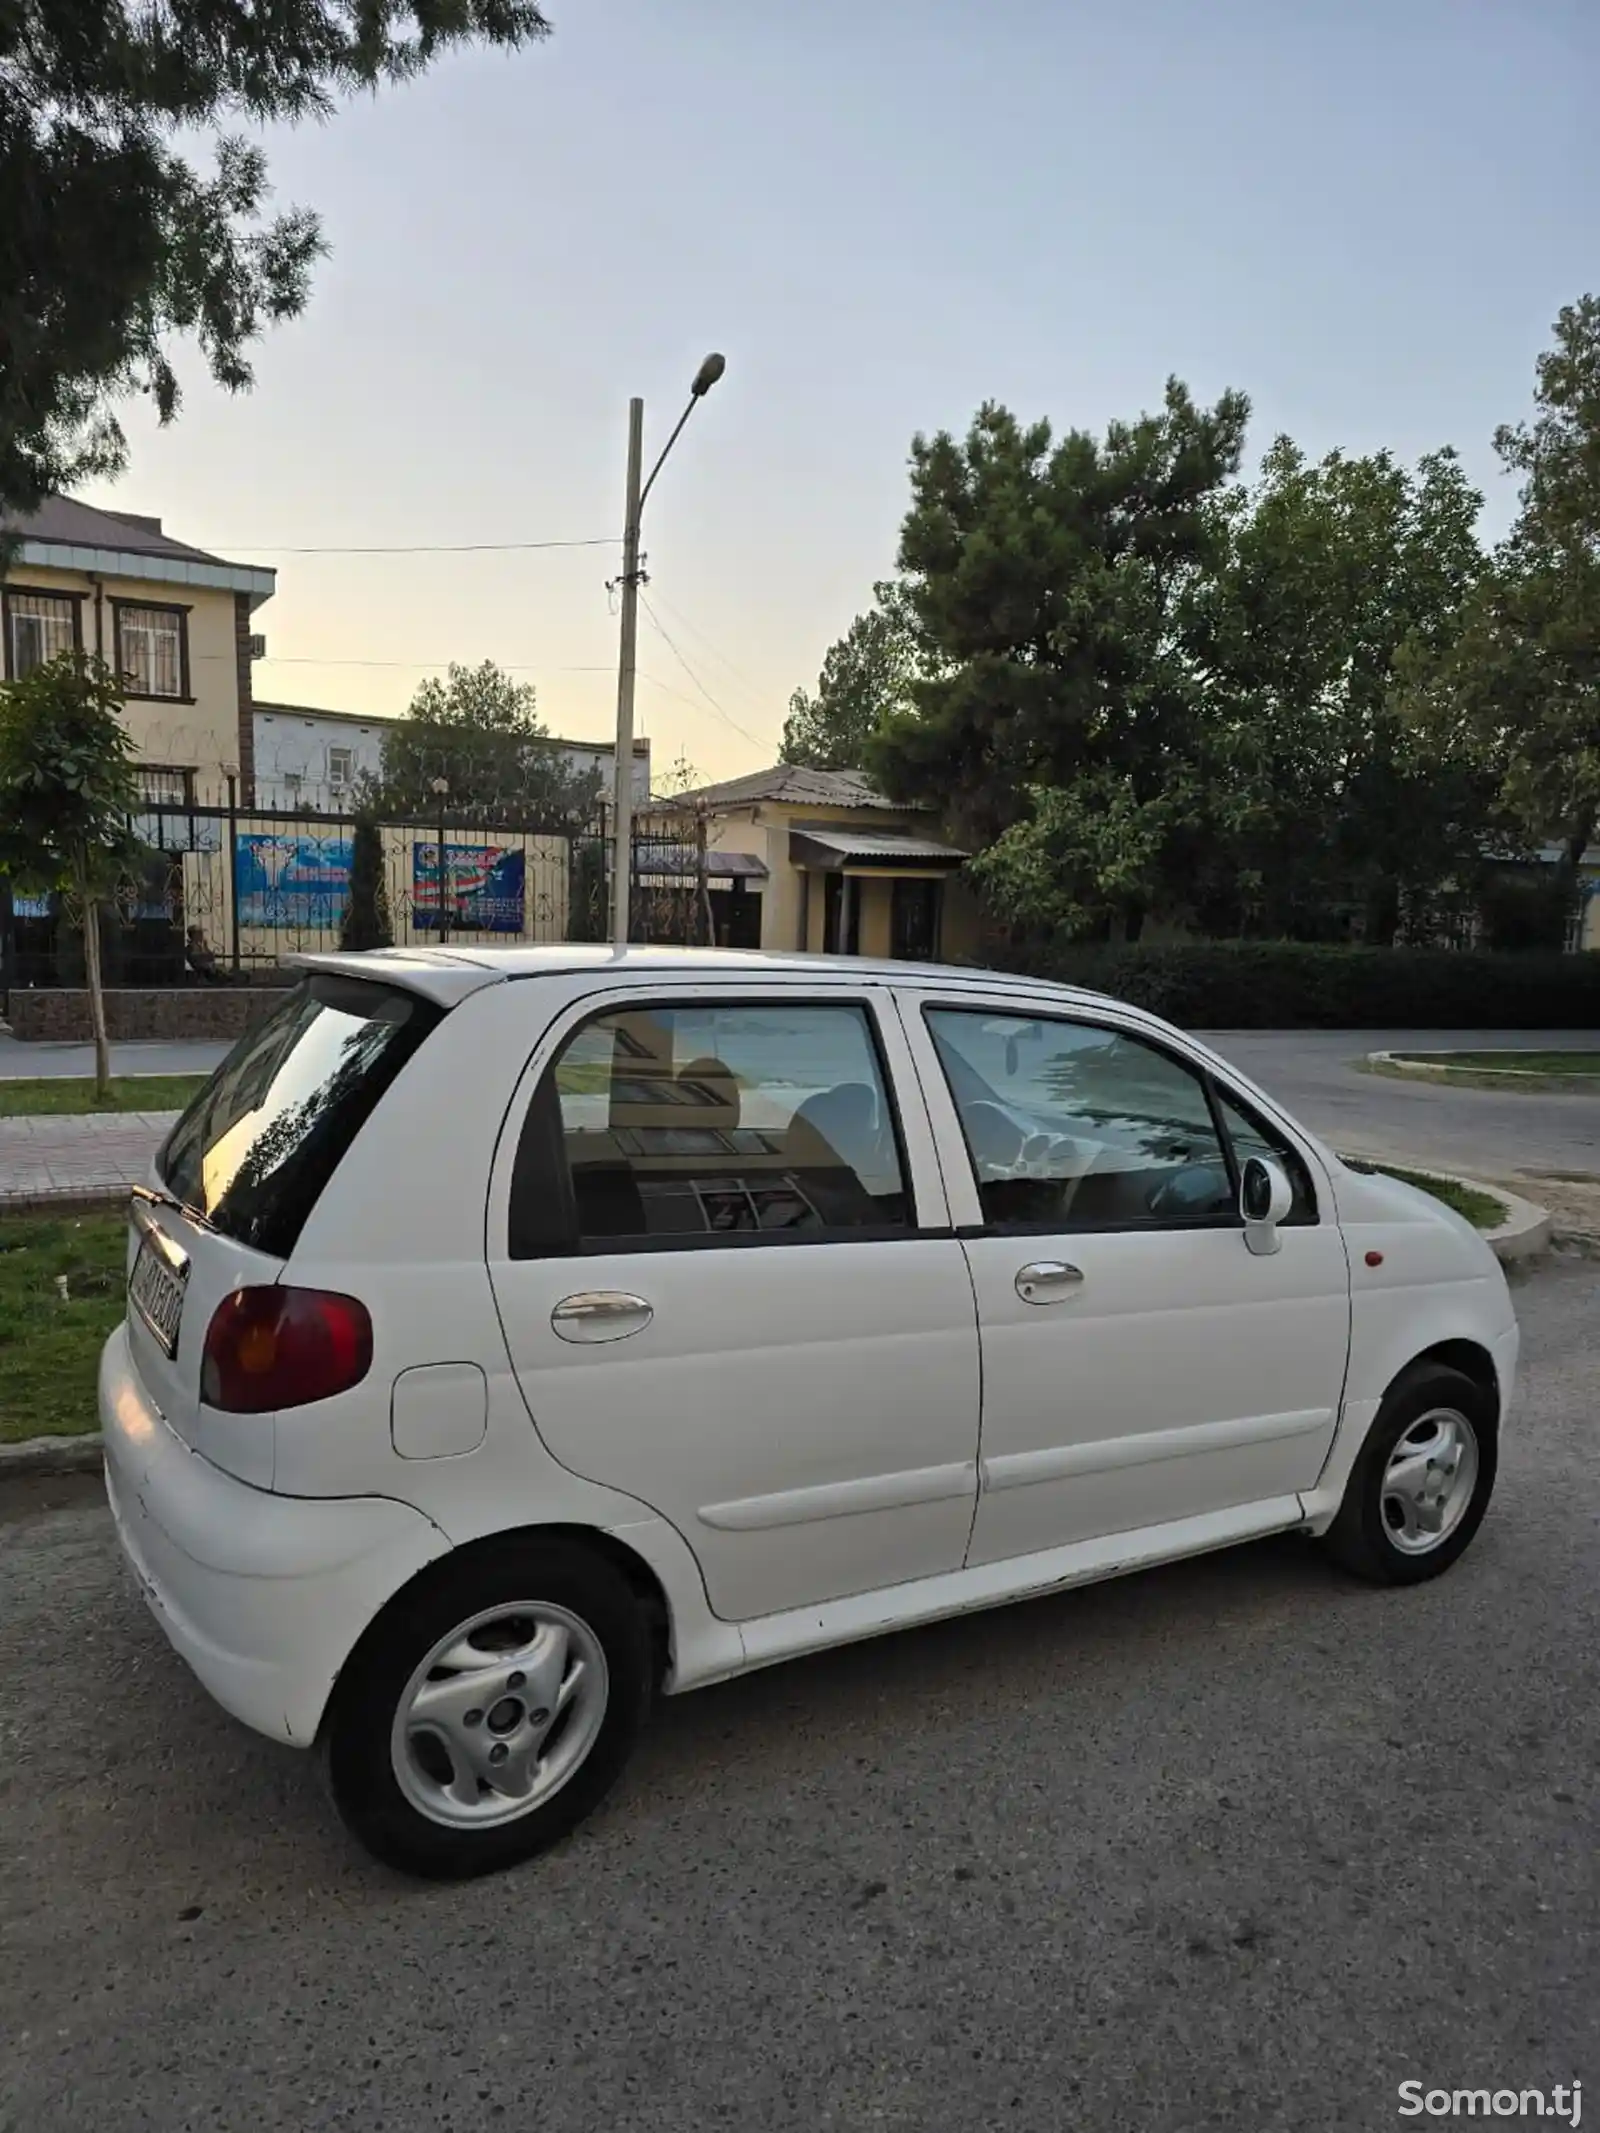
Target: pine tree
x=366, y=914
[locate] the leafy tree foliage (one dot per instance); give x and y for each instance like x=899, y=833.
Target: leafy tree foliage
x=67, y=795
x=1319, y=793
x=1144, y=686
x=114, y=244
x=866, y=677
x=476, y=734
x=1056, y=586
x=1518, y=689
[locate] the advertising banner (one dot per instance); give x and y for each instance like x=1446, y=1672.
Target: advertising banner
x=293, y=879
x=483, y=888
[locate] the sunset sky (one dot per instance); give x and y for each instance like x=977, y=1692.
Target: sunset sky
x=1365, y=213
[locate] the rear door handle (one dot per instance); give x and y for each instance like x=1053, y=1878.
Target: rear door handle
x=600, y=1315
x=1048, y=1281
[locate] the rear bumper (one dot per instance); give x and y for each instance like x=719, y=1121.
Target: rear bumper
x=264, y=1596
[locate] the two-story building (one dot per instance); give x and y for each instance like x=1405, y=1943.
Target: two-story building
x=173, y=621
x=311, y=761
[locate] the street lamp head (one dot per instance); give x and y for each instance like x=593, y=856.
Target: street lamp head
x=707, y=375
x=442, y=787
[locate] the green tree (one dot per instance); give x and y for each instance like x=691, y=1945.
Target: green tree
x=366, y=911
x=1054, y=585
x=866, y=676
x=115, y=243
x=477, y=733
x=1518, y=688
x=67, y=795
x=1318, y=791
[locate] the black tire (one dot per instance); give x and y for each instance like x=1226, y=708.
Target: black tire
x=1361, y=1537
x=356, y=1734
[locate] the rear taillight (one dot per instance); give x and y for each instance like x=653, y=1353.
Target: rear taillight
x=268, y=1348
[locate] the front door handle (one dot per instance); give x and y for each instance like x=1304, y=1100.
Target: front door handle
x=1048, y=1281
x=600, y=1315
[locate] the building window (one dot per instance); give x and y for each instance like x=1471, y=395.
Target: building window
x=39, y=626
x=152, y=650
x=161, y=786
x=341, y=767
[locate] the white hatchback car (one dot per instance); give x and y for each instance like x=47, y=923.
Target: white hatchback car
x=512, y=1334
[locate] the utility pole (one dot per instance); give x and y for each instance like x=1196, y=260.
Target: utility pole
x=632, y=577
x=622, y=790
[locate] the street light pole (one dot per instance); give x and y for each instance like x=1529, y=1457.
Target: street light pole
x=632, y=575
x=622, y=789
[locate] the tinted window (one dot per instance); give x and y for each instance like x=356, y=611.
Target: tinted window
x=707, y=1121
x=263, y=1137
x=1074, y=1127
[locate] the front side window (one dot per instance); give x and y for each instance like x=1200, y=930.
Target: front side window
x=1074, y=1127
x=341, y=766
x=704, y=1121
x=1249, y=1136
x=39, y=627
x=152, y=653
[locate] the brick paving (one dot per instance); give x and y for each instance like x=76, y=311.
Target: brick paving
x=46, y=1160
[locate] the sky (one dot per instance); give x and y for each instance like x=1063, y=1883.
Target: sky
x=1364, y=213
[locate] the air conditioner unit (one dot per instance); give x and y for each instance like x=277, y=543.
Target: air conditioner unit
x=258, y=645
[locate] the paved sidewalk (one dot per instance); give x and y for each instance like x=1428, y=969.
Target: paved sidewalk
x=42, y=1159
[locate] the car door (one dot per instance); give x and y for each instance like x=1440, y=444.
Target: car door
x=721, y=1252
x=1140, y=1363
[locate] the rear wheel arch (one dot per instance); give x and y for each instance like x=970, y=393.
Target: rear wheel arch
x=605, y=1547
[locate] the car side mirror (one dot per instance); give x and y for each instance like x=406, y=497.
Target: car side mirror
x=1265, y=1198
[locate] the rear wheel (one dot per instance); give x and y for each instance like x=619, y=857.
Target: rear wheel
x=489, y=1709
x=1419, y=1490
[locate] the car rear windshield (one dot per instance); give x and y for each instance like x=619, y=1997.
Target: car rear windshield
x=266, y=1133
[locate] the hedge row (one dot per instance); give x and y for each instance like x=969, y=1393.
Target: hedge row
x=1289, y=985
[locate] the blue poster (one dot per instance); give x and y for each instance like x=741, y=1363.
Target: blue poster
x=483, y=888
x=290, y=879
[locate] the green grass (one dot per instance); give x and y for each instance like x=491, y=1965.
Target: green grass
x=1481, y=1209
x=69, y=1096
x=50, y=1349
x=1503, y=1061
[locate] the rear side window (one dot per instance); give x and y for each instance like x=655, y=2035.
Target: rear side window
x=261, y=1140
x=672, y=1124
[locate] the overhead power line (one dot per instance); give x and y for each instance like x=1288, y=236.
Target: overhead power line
x=726, y=716
x=417, y=548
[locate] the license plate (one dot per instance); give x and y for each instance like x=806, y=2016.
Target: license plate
x=156, y=1286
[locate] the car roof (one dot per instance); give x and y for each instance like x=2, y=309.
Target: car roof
x=450, y=974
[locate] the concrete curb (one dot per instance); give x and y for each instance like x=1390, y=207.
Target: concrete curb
x=67, y=1200
x=1440, y=1074
x=51, y=1455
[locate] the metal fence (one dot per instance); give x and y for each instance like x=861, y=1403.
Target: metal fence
x=225, y=891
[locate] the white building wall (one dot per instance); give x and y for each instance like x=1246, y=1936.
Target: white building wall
x=314, y=761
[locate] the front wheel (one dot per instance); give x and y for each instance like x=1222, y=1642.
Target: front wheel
x=1421, y=1485
x=489, y=1708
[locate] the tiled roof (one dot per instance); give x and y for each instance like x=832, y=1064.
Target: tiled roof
x=798, y=787
x=62, y=522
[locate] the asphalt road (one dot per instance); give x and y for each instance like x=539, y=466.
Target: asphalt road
x=1478, y=1131
x=1234, y=1844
